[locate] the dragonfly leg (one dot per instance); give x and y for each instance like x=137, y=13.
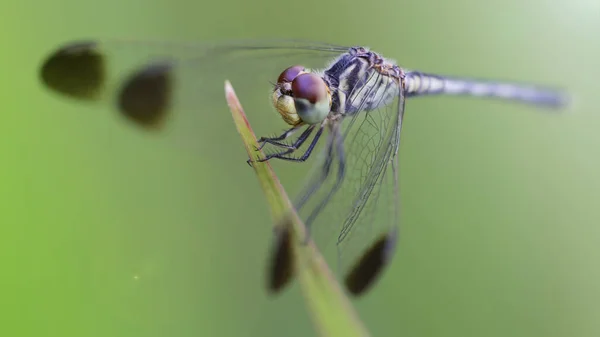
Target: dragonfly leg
x=341, y=158
x=283, y=154
x=276, y=140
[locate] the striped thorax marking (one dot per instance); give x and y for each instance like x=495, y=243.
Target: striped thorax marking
x=362, y=80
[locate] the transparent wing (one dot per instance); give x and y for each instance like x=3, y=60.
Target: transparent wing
x=352, y=194
x=172, y=89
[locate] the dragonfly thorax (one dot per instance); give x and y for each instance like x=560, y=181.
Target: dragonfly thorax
x=301, y=96
x=363, y=80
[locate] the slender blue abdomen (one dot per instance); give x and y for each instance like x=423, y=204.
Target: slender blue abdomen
x=420, y=84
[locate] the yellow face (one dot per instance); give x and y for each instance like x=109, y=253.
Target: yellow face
x=301, y=97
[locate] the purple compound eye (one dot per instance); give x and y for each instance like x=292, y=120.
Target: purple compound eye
x=311, y=98
x=309, y=87
x=290, y=74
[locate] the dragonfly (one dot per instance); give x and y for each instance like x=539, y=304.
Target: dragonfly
x=343, y=107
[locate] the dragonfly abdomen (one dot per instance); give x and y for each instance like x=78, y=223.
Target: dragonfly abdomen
x=420, y=84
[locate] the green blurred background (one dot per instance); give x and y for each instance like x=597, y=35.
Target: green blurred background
x=130, y=238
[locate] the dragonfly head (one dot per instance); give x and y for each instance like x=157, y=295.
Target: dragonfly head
x=301, y=96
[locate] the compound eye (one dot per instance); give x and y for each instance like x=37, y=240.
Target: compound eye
x=290, y=74
x=312, y=98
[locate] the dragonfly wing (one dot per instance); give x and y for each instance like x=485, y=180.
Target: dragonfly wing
x=352, y=194
x=365, y=259
x=166, y=88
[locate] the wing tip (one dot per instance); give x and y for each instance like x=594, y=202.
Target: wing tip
x=281, y=269
x=145, y=97
x=373, y=262
x=76, y=69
